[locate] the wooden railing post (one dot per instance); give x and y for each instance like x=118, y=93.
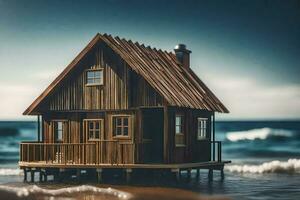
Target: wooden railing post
x=98, y=152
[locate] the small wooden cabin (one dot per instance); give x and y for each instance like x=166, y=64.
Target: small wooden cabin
x=125, y=105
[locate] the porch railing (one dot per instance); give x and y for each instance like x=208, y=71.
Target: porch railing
x=97, y=152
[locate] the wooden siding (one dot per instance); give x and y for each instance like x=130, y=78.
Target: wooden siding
x=177, y=85
x=122, y=87
x=194, y=150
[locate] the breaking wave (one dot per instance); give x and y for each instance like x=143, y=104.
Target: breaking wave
x=291, y=166
x=258, y=134
x=10, y=172
x=69, y=191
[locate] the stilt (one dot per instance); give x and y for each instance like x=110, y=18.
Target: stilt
x=197, y=174
x=99, y=175
x=41, y=175
x=45, y=176
x=32, y=175
x=78, y=174
x=128, y=175
x=56, y=176
x=210, y=174
x=61, y=174
x=188, y=174
x=222, y=174
x=177, y=174
x=25, y=175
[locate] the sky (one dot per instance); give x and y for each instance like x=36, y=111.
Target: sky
x=247, y=52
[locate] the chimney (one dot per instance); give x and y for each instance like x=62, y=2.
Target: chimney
x=183, y=55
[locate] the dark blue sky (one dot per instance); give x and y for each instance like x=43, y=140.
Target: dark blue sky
x=247, y=47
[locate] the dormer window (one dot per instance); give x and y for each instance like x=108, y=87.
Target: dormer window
x=94, y=77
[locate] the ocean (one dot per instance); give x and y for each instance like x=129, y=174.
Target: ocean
x=265, y=164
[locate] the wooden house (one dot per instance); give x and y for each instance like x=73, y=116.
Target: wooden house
x=121, y=104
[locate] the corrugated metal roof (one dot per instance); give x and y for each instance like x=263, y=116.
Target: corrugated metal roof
x=179, y=86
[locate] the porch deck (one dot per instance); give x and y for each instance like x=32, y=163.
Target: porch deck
x=52, y=158
x=216, y=165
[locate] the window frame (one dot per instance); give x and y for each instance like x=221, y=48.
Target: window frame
x=179, y=136
x=55, y=129
x=87, y=129
x=202, y=123
x=181, y=124
x=122, y=127
x=101, y=70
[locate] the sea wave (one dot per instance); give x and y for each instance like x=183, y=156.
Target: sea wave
x=258, y=134
x=69, y=191
x=10, y=172
x=290, y=166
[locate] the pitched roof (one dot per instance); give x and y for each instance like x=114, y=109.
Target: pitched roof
x=179, y=86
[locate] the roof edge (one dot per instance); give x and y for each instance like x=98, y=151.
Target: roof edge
x=38, y=100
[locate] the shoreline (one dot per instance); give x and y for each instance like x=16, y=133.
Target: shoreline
x=60, y=191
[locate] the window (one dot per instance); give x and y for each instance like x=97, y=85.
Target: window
x=179, y=131
x=179, y=124
x=94, y=77
x=94, y=129
x=58, y=131
x=201, y=128
x=121, y=126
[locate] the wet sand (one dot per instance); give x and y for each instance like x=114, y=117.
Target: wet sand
x=153, y=193
x=56, y=192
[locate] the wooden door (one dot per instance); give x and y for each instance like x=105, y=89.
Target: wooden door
x=152, y=135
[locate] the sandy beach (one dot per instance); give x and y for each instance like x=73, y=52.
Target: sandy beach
x=96, y=192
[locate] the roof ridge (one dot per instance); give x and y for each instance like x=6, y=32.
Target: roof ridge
x=135, y=42
x=161, y=69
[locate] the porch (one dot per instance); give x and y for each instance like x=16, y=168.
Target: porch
x=54, y=158
x=69, y=154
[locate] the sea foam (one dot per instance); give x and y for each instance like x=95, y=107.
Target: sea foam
x=10, y=172
x=290, y=166
x=261, y=134
x=34, y=189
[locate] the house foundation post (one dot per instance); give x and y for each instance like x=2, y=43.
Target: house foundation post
x=197, y=174
x=45, y=175
x=177, y=174
x=222, y=173
x=78, y=174
x=32, y=175
x=56, y=176
x=188, y=174
x=210, y=174
x=40, y=175
x=61, y=174
x=128, y=175
x=99, y=175
x=25, y=175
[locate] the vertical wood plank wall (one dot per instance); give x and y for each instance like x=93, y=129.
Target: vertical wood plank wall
x=195, y=150
x=122, y=88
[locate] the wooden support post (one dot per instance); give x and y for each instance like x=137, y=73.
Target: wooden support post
x=61, y=174
x=222, y=174
x=99, y=175
x=45, y=176
x=56, y=176
x=25, y=175
x=32, y=175
x=210, y=174
x=41, y=175
x=197, y=174
x=177, y=174
x=128, y=175
x=188, y=174
x=78, y=174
